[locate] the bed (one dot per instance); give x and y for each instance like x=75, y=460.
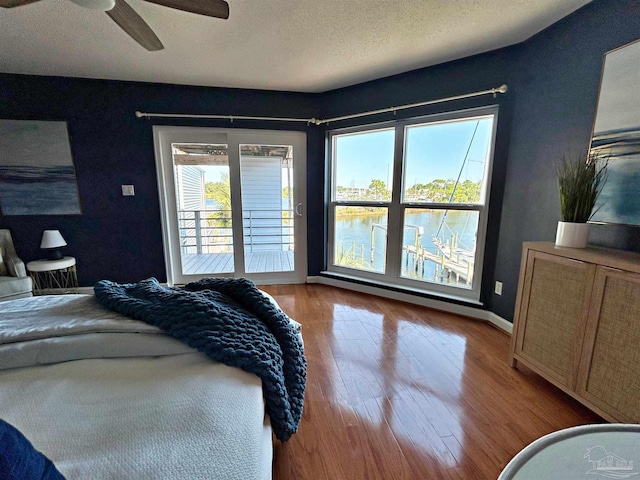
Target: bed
x=107, y=397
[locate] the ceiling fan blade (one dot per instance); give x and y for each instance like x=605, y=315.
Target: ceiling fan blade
x=210, y=8
x=15, y=3
x=135, y=26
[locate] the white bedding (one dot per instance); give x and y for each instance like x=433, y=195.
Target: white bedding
x=57, y=328
x=165, y=415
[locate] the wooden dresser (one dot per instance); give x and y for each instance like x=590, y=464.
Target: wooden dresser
x=577, y=324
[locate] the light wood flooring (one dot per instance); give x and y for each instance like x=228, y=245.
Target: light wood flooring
x=397, y=391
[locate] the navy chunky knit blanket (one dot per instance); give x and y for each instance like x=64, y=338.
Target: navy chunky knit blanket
x=230, y=321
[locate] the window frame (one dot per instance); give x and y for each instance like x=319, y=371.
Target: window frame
x=396, y=208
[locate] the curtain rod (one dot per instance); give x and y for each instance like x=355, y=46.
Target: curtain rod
x=316, y=121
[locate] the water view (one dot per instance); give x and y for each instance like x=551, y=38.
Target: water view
x=438, y=245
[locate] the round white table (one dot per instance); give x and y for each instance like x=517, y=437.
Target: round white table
x=54, y=276
x=588, y=451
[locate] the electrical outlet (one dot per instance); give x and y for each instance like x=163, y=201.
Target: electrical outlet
x=498, y=289
x=128, y=191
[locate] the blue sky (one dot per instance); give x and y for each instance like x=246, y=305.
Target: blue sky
x=433, y=151
x=214, y=173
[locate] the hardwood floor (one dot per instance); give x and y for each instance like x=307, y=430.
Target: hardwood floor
x=397, y=391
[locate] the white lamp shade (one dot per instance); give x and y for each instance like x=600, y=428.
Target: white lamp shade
x=52, y=239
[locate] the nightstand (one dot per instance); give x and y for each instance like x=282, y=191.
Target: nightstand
x=49, y=275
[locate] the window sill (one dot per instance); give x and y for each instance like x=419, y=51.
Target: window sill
x=402, y=290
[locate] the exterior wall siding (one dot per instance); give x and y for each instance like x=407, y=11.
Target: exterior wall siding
x=262, y=203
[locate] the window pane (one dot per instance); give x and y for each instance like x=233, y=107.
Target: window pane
x=446, y=162
x=361, y=238
x=266, y=173
x=363, y=166
x=439, y=246
x=203, y=196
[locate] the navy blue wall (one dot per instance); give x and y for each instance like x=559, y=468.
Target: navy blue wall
x=549, y=110
x=116, y=237
x=553, y=83
x=481, y=72
x=556, y=88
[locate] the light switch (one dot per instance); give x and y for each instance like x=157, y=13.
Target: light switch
x=128, y=191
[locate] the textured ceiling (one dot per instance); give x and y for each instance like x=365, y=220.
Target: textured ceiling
x=295, y=45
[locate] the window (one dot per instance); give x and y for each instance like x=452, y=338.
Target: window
x=362, y=175
x=408, y=201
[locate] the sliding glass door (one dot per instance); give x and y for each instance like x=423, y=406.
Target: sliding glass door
x=232, y=203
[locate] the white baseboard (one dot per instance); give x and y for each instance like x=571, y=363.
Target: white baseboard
x=405, y=297
x=467, y=311
x=500, y=322
x=313, y=279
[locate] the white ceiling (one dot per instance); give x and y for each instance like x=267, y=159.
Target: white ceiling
x=295, y=45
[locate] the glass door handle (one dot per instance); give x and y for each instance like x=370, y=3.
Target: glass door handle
x=299, y=209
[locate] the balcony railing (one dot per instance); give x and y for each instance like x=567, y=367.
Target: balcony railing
x=210, y=231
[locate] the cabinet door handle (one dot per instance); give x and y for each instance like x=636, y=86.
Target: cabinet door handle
x=299, y=209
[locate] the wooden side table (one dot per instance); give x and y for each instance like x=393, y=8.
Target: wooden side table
x=48, y=275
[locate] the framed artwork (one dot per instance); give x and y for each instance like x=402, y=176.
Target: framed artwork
x=37, y=176
x=616, y=135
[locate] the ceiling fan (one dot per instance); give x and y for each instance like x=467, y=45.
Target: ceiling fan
x=132, y=23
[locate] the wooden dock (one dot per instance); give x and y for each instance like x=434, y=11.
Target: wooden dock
x=255, y=262
x=449, y=263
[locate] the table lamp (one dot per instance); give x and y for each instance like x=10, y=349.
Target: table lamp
x=52, y=241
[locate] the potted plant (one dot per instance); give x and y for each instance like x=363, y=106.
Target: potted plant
x=580, y=181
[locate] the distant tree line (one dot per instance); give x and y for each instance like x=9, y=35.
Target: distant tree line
x=436, y=191
x=440, y=191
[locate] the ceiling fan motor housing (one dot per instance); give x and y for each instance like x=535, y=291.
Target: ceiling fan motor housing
x=103, y=5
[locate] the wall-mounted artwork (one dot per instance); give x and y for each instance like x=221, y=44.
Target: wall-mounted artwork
x=616, y=135
x=37, y=176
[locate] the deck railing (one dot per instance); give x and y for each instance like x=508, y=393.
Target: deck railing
x=210, y=231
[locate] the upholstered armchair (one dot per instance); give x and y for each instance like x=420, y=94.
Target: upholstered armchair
x=14, y=281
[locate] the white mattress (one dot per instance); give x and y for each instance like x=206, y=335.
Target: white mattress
x=171, y=416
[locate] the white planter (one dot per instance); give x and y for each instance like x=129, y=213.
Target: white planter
x=572, y=235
